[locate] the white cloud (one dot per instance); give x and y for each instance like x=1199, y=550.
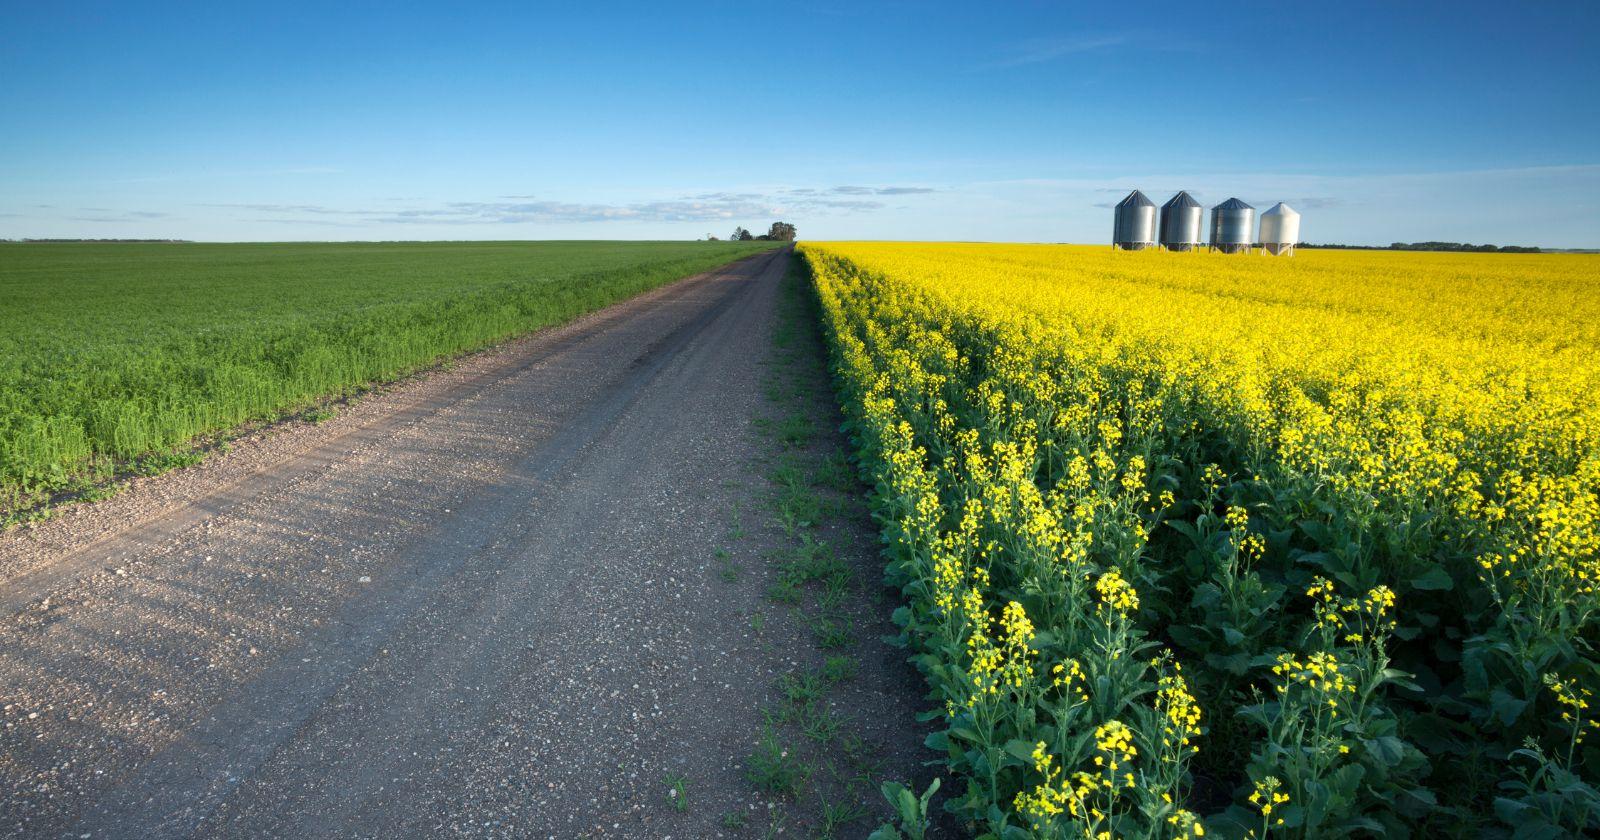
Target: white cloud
x=530, y=209
x=1040, y=50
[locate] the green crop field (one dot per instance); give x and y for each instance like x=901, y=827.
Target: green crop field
x=119, y=355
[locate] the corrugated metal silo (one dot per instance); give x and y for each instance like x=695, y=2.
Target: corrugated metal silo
x=1181, y=220
x=1134, y=223
x=1233, y=227
x=1280, y=229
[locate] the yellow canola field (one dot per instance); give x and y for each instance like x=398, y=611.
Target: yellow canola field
x=1467, y=382
x=1356, y=482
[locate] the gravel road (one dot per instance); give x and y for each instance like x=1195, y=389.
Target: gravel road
x=482, y=602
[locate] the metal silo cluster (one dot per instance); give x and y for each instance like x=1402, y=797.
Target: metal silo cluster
x=1137, y=225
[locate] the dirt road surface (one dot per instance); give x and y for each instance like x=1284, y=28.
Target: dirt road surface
x=480, y=603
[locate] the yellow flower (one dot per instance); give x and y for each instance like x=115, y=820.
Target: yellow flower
x=1266, y=796
x=1116, y=593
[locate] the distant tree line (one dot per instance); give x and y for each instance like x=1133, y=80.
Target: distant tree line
x=94, y=240
x=1432, y=246
x=779, y=232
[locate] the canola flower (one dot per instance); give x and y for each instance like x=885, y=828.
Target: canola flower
x=1573, y=700
x=1116, y=594
x=1182, y=712
x=1267, y=798
x=1035, y=416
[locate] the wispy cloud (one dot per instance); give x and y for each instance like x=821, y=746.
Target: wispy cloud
x=300, y=220
x=531, y=209
x=1040, y=50
x=1045, y=49
x=882, y=190
x=1160, y=194
x=712, y=208
x=314, y=209
x=1313, y=202
x=108, y=215
x=287, y=171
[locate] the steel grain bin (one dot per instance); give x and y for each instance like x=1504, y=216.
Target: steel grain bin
x=1181, y=220
x=1134, y=223
x=1233, y=227
x=1280, y=229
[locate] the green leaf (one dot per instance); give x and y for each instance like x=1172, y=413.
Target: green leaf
x=965, y=733
x=1235, y=663
x=1350, y=824
x=1510, y=811
x=1422, y=795
x=1186, y=636
x=1020, y=749
x=1435, y=579
x=906, y=803
x=1183, y=528
x=1400, y=678
x=1387, y=750
x=1505, y=707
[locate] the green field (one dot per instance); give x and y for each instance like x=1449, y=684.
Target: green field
x=117, y=356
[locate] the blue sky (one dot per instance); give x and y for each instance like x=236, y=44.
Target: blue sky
x=1022, y=121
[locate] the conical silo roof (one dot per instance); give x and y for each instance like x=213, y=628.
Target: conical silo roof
x=1135, y=199
x=1182, y=199
x=1280, y=229
x=1233, y=204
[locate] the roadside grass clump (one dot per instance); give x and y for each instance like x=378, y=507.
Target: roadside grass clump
x=727, y=568
x=832, y=631
x=795, y=430
x=156, y=463
x=784, y=591
x=838, y=669
x=801, y=689
x=836, y=815
x=821, y=725
x=773, y=769
x=112, y=352
x=677, y=791
x=1191, y=543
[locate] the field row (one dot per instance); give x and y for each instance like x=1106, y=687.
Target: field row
x=114, y=356
x=1299, y=547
